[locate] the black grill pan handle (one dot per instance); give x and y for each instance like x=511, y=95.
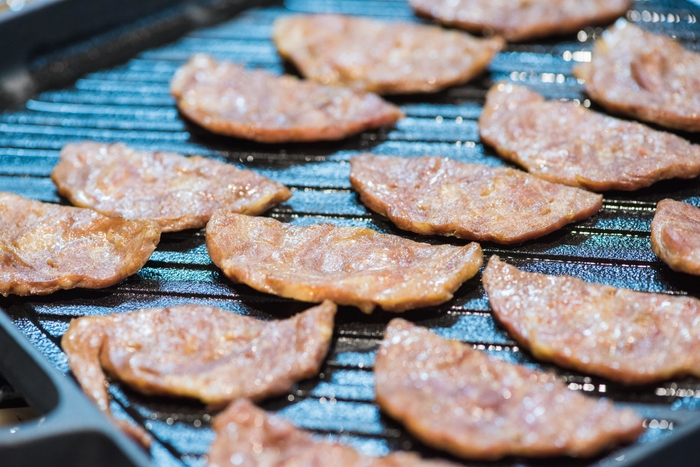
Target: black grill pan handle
x=70, y=431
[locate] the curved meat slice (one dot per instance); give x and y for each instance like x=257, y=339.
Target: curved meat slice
x=175, y=191
x=647, y=76
x=386, y=58
x=196, y=351
x=675, y=235
x=627, y=336
x=248, y=436
x=434, y=195
x=227, y=99
x=521, y=20
x=46, y=247
x=565, y=143
x=458, y=399
x=349, y=265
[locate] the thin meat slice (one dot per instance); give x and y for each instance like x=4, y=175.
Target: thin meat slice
x=627, y=336
x=348, y=265
x=520, y=20
x=566, y=143
x=175, y=191
x=454, y=398
x=196, y=351
x=46, y=247
x=227, y=99
x=386, y=58
x=675, y=235
x=248, y=436
x=434, y=195
x=647, y=76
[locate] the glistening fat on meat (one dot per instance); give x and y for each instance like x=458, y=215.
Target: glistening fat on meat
x=675, y=235
x=521, y=20
x=458, y=399
x=227, y=99
x=620, y=334
x=441, y=196
x=46, y=247
x=646, y=76
x=564, y=142
x=202, y=352
x=348, y=265
x=381, y=57
x=175, y=191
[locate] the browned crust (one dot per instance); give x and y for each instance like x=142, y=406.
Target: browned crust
x=525, y=32
x=383, y=114
x=229, y=242
x=42, y=271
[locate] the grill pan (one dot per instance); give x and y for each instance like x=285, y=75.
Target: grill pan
x=131, y=103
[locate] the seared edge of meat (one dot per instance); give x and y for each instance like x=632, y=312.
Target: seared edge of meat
x=323, y=262
x=117, y=181
x=675, y=235
x=247, y=435
x=89, y=345
x=455, y=398
x=86, y=250
x=620, y=334
x=402, y=200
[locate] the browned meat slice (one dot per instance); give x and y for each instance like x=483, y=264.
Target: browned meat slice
x=248, y=436
x=197, y=351
x=675, y=235
x=521, y=20
x=386, y=58
x=434, y=195
x=227, y=99
x=177, y=192
x=627, y=336
x=566, y=143
x=348, y=265
x=46, y=247
x=648, y=76
x=458, y=399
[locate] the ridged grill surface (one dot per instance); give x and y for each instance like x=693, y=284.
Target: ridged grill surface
x=131, y=103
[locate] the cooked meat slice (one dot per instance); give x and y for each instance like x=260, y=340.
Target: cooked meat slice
x=386, y=58
x=566, y=143
x=46, y=247
x=197, y=351
x=227, y=99
x=627, y=336
x=521, y=20
x=248, y=436
x=647, y=76
x=348, y=265
x=675, y=235
x=458, y=399
x=177, y=192
x=434, y=195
